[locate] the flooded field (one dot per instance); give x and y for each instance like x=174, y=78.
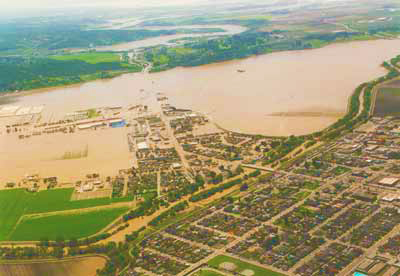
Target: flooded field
x=69, y=157
x=72, y=267
x=388, y=99
x=282, y=93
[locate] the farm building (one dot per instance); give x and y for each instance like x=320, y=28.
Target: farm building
x=176, y=166
x=143, y=146
x=90, y=125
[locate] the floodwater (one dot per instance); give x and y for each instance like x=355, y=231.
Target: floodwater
x=44, y=155
x=296, y=92
x=166, y=39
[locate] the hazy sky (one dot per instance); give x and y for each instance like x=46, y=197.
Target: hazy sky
x=24, y=6
x=37, y=4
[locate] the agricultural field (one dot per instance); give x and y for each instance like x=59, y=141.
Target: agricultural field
x=91, y=58
x=72, y=267
x=68, y=226
x=237, y=266
x=12, y=207
x=387, y=101
x=17, y=202
x=60, y=200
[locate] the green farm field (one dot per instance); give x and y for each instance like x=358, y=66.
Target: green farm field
x=70, y=226
x=60, y=200
x=18, y=202
x=91, y=58
x=240, y=266
x=12, y=206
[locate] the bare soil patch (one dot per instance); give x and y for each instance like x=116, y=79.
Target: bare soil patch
x=72, y=267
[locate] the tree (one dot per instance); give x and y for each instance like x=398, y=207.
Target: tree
x=239, y=170
x=244, y=187
x=60, y=242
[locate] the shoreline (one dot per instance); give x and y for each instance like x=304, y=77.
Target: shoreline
x=49, y=88
x=298, y=114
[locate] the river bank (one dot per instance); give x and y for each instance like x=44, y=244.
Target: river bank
x=238, y=29
x=322, y=80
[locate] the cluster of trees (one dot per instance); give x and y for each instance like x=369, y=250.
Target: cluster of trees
x=235, y=47
x=253, y=174
x=387, y=27
x=118, y=255
x=146, y=208
x=214, y=178
x=212, y=191
x=59, y=36
x=330, y=37
x=134, y=235
x=283, y=149
x=310, y=143
x=27, y=73
x=171, y=212
x=175, y=195
x=395, y=60
x=61, y=242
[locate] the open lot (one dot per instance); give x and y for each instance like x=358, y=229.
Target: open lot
x=70, y=226
x=240, y=266
x=72, y=267
x=92, y=58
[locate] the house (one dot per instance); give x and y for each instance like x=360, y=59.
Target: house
x=389, y=181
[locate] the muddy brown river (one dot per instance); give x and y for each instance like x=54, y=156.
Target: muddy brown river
x=283, y=93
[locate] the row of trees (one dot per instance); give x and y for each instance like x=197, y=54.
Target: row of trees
x=171, y=212
x=24, y=74
x=283, y=149
x=191, y=188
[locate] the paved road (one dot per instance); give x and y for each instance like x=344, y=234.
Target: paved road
x=175, y=142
